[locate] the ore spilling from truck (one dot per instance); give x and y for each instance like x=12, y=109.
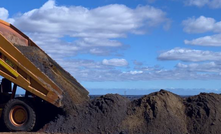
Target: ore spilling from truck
x=72, y=90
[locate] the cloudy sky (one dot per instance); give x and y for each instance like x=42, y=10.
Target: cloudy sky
x=122, y=46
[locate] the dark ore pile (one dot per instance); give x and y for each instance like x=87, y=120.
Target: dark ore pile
x=101, y=115
x=203, y=113
x=158, y=113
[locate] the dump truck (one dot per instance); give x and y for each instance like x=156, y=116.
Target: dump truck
x=24, y=64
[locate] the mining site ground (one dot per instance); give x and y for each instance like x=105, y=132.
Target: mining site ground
x=157, y=113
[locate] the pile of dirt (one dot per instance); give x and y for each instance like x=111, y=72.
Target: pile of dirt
x=101, y=115
x=203, y=113
x=156, y=113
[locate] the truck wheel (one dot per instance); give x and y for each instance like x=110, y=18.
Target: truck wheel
x=18, y=115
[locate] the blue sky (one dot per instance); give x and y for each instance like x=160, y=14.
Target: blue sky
x=137, y=46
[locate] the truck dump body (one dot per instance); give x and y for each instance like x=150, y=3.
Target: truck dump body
x=25, y=64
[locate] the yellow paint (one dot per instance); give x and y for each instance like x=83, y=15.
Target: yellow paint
x=18, y=60
x=6, y=66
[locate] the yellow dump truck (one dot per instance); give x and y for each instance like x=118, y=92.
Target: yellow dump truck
x=24, y=64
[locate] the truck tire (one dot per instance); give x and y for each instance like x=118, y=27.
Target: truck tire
x=18, y=115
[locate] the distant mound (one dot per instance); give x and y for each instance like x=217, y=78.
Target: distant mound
x=157, y=113
x=203, y=113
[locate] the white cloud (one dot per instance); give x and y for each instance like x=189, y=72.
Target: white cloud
x=201, y=3
x=215, y=4
x=204, y=67
x=98, y=42
x=93, y=31
x=214, y=40
x=189, y=55
x=109, y=21
x=115, y=62
x=3, y=14
x=89, y=70
x=136, y=72
x=198, y=3
x=201, y=25
x=97, y=51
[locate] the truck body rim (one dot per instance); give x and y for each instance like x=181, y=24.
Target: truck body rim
x=18, y=116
